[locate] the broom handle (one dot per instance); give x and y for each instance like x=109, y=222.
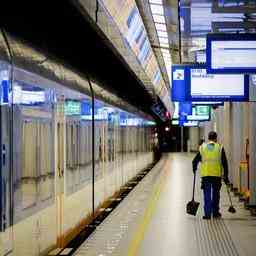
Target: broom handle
x=229, y=196
x=194, y=184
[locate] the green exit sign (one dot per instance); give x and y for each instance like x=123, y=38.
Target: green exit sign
x=202, y=110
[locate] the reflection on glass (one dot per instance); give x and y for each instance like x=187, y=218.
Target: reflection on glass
x=33, y=148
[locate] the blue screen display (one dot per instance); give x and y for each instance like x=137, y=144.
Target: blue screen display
x=193, y=83
x=231, y=53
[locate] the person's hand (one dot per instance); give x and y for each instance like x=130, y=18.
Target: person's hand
x=226, y=180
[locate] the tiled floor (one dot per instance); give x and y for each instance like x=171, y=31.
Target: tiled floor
x=152, y=220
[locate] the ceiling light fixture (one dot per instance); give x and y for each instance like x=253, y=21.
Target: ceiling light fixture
x=157, y=11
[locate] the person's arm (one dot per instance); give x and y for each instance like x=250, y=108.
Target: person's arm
x=196, y=160
x=224, y=162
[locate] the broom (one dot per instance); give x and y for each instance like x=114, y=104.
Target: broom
x=231, y=208
x=192, y=206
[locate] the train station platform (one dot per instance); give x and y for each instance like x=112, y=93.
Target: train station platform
x=152, y=220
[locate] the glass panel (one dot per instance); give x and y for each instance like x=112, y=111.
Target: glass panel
x=33, y=134
x=6, y=229
x=40, y=115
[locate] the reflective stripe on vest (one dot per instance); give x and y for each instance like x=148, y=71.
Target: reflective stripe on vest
x=211, y=159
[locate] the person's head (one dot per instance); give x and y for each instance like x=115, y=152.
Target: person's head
x=212, y=136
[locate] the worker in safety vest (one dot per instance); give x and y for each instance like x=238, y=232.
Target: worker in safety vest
x=213, y=160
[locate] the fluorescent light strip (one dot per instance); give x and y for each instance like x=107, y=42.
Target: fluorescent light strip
x=163, y=40
x=160, y=26
x=155, y=1
x=162, y=34
x=157, y=9
x=159, y=18
x=164, y=45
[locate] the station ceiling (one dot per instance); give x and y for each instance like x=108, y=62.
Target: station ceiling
x=58, y=29
x=61, y=30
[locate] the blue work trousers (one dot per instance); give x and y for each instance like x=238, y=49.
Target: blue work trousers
x=211, y=188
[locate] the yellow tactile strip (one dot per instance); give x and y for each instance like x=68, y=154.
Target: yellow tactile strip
x=139, y=234
x=213, y=238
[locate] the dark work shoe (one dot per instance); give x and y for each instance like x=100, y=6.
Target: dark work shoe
x=217, y=215
x=206, y=217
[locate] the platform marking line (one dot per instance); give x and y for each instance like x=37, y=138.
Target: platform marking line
x=140, y=233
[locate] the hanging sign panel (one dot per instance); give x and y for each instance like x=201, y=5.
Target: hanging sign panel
x=231, y=53
x=179, y=74
x=202, y=86
x=193, y=83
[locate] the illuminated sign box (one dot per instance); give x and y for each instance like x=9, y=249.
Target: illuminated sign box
x=32, y=96
x=202, y=110
x=231, y=53
x=72, y=107
x=199, y=115
x=176, y=110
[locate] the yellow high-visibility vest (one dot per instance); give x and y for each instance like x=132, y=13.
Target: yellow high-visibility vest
x=211, y=159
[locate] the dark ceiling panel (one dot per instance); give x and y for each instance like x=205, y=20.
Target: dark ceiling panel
x=58, y=28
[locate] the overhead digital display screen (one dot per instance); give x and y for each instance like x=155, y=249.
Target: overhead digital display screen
x=193, y=83
x=231, y=53
x=203, y=86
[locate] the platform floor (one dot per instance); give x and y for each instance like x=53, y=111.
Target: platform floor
x=152, y=220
